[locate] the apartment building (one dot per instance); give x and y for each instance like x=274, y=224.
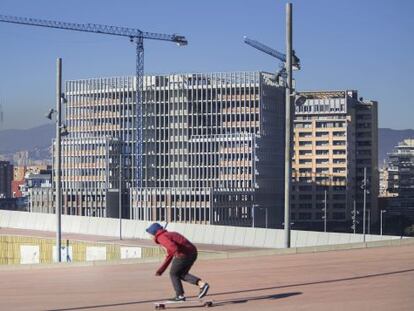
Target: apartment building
x=212, y=147
x=397, y=201
x=335, y=137
x=400, y=168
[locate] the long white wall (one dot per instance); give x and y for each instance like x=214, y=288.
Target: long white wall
x=219, y=235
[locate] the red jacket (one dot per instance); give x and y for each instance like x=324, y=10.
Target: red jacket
x=175, y=244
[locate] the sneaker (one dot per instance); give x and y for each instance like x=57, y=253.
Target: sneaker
x=203, y=290
x=177, y=298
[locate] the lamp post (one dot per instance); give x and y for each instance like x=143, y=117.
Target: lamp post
x=381, y=221
x=364, y=187
x=291, y=62
x=288, y=139
x=325, y=214
x=60, y=131
x=120, y=196
x=354, y=217
x=253, y=207
x=58, y=161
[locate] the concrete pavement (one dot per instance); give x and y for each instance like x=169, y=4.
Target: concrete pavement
x=361, y=279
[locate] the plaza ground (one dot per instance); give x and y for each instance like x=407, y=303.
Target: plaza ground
x=360, y=279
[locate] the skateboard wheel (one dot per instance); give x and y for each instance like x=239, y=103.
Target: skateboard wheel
x=209, y=304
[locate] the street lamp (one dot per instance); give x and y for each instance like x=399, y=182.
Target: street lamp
x=120, y=196
x=50, y=113
x=266, y=221
x=381, y=221
x=60, y=131
x=292, y=99
x=298, y=99
x=325, y=213
x=354, y=213
x=291, y=62
x=364, y=186
x=253, y=206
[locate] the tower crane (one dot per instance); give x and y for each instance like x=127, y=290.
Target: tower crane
x=135, y=35
x=272, y=52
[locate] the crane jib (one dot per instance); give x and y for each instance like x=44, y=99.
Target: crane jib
x=134, y=35
x=94, y=28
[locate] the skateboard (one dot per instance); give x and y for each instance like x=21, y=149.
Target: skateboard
x=188, y=303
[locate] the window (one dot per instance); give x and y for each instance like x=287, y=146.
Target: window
x=305, y=216
x=303, y=125
x=339, y=134
x=339, y=179
x=321, y=134
x=320, y=197
x=322, y=170
x=364, y=143
x=337, y=215
x=322, y=161
x=339, y=170
x=319, y=179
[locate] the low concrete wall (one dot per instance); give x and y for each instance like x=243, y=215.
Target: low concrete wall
x=218, y=235
x=32, y=250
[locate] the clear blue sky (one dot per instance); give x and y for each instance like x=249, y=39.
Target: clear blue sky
x=343, y=44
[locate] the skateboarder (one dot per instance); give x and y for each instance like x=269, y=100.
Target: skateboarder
x=183, y=254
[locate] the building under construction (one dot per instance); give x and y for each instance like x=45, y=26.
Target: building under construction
x=212, y=149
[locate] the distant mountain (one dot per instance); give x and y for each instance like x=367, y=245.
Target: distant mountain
x=37, y=141
x=35, y=138
x=388, y=139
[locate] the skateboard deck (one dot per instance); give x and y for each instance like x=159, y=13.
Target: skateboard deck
x=161, y=305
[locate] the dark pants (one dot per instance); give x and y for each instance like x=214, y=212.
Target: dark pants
x=179, y=271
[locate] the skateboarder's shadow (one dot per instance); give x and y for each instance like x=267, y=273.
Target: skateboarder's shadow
x=253, y=298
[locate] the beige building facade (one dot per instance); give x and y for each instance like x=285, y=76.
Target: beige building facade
x=335, y=137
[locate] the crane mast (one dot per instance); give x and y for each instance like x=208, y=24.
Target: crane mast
x=135, y=35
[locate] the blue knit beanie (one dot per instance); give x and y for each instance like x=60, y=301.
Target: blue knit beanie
x=154, y=228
